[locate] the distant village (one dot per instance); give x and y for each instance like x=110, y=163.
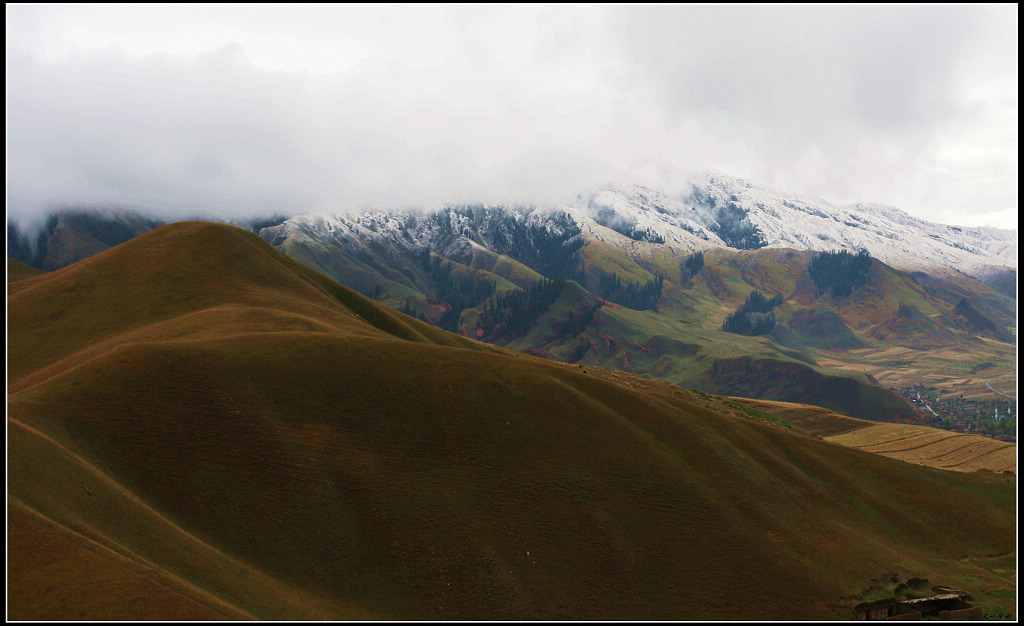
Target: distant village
x=993, y=418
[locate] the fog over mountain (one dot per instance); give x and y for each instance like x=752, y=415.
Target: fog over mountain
x=235, y=112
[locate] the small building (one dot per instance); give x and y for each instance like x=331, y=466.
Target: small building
x=879, y=609
x=950, y=604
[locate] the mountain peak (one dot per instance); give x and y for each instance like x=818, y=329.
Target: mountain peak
x=721, y=210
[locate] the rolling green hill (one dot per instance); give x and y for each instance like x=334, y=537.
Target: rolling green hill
x=912, y=328
x=236, y=435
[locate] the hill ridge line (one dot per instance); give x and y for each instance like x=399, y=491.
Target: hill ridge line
x=145, y=507
x=125, y=560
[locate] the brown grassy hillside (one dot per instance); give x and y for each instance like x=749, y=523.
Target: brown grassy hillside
x=16, y=270
x=264, y=442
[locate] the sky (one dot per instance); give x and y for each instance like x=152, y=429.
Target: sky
x=256, y=109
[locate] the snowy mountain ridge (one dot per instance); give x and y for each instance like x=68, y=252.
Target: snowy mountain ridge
x=889, y=234
x=717, y=211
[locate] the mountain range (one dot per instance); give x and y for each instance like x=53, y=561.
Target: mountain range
x=202, y=427
x=629, y=278
x=645, y=283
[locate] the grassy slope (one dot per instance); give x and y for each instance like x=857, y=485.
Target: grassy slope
x=729, y=276
x=572, y=300
x=34, y=551
x=504, y=267
x=16, y=270
x=880, y=298
x=273, y=439
x=598, y=256
x=718, y=362
x=680, y=342
x=333, y=261
x=183, y=291
x=815, y=420
x=954, y=287
x=68, y=245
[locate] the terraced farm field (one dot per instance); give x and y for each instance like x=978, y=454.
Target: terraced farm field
x=933, y=447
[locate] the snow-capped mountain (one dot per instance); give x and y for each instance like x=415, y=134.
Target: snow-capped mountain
x=785, y=220
x=457, y=233
x=717, y=211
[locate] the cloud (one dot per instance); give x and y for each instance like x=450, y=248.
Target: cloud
x=839, y=101
x=227, y=111
x=209, y=133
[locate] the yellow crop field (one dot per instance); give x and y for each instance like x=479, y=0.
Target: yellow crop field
x=879, y=433
x=950, y=451
x=1001, y=460
x=911, y=443
x=973, y=450
x=933, y=447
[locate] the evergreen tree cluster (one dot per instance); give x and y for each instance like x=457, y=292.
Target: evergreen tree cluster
x=694, y=262
x=557, y=255
x=551, y=252
x=577, y=322
x=512, y=314
x=735, y=230
x=749, y=323
x=374, y=292
x=626, y=225
x=549, y=248
x=690, y=266
x=464, y=289
x=732, y=224
x=629, y=294
x=458, y=292
x=450, y=318
x=754, y=316
x=756, y=302
x=646, y=234
x=411, y=311
x=841, y=271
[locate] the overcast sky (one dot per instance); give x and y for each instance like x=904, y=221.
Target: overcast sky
x=237, y=110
